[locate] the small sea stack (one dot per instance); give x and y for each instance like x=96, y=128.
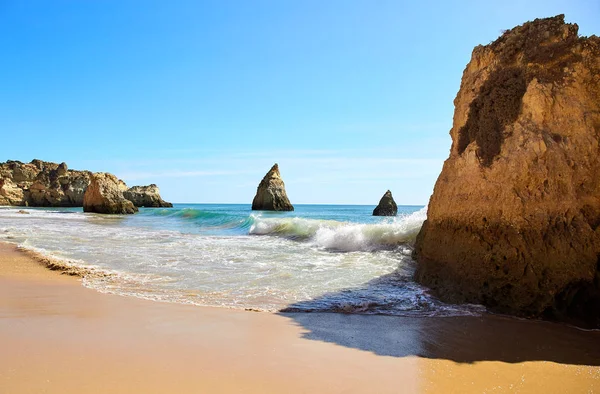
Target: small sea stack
x=146, y=196
x=270, y=194
x=387, y=206
x=105, y=195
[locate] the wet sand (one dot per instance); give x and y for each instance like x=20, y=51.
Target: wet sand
x=58, y=337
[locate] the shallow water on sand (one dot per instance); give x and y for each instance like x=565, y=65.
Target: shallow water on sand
x=317, y=258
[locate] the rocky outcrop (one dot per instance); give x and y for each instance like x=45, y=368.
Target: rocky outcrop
x=41, y=184
x=387, y=206
x=146, y=196
x=105, y=195
x=45, y=184
x=514, y=219
x=270, y=194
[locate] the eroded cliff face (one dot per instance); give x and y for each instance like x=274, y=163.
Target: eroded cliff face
x=270, y=194
x=514, y=220
x=41, y=184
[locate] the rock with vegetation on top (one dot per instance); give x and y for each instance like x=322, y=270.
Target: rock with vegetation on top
x=514, y=219
x=270, y=194
x=387, y=206
x=146, y=196
x=105, y=195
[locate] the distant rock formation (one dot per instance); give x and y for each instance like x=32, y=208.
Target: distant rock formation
x=270, y=194
x=514, y=219
x=146, y=196
x=105, y=195
x=45, y=184
x=41, y=184
x=387, y=206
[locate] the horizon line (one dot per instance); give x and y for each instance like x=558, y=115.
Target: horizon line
x=239, y=203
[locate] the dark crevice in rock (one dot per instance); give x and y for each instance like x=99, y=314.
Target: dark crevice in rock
x=578, y=303
x=542, y=49
x=496, y=106
x=591, y=215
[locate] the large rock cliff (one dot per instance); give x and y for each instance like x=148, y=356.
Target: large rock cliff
x=270, y=194
x=105, y=195
x=41, y=184
x=514, y=219
x=146, y=196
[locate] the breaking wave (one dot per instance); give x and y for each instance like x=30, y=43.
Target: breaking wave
x=344, y=236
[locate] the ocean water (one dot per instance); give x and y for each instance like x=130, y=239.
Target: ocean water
x=335, y=258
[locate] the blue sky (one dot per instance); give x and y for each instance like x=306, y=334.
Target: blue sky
x=351, y=98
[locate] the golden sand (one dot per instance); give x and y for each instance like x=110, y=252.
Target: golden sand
x=58, y=337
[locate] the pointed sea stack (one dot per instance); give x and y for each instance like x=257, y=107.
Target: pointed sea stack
x=387, y=206
x=270, y=194
x=514, y=219
x=105, y=195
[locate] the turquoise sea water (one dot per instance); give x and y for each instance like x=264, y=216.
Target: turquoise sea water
x=316, y=258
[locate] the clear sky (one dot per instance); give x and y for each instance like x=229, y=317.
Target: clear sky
x=351, y=98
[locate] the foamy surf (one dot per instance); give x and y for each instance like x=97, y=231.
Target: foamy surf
x=212, y=255
x=344, y=236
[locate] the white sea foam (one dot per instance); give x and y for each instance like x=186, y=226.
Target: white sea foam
x=345, y=236
x=165, y=258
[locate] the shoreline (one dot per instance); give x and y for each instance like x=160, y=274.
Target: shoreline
x=59, y=336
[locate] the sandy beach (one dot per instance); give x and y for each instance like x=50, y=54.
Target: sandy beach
x=60, y=337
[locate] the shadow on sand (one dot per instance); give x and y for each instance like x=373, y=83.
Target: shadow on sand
x=463, y=339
